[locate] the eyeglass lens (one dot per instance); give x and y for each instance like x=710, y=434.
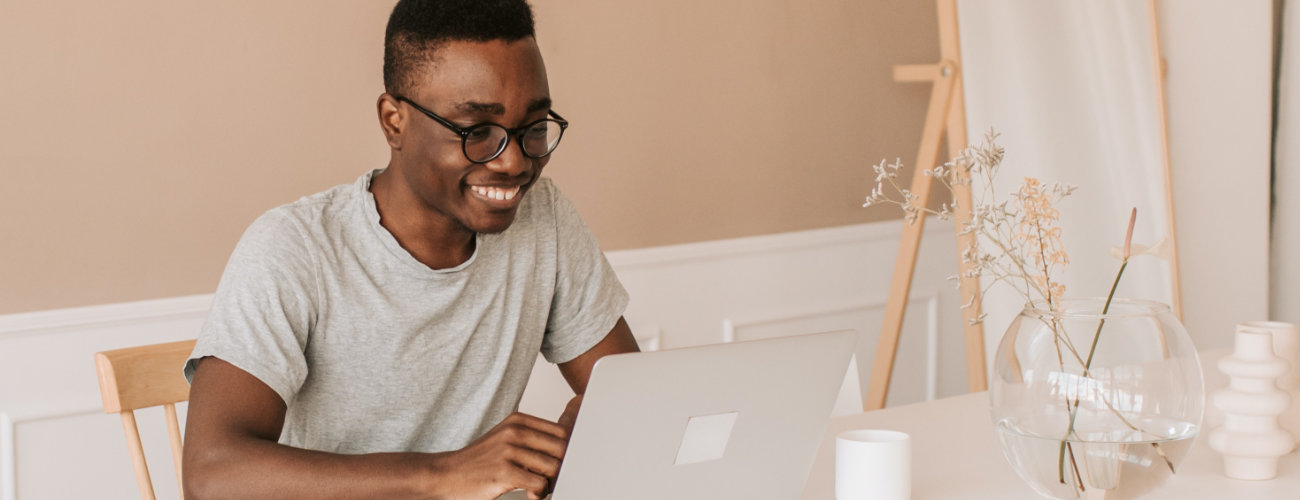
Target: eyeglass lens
x=486, y=141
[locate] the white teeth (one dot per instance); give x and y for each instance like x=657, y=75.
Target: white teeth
x=496, y=193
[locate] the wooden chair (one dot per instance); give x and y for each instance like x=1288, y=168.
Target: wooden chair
x=144, y=377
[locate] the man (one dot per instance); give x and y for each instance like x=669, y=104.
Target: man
x=373, y=340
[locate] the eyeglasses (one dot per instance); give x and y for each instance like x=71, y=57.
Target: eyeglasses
x=484, y=142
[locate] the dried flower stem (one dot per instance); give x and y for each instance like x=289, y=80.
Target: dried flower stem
x=1087, y=365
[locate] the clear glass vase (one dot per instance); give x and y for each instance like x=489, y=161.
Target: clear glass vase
x=1086, y=401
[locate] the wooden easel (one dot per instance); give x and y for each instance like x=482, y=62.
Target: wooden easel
x=946, y=114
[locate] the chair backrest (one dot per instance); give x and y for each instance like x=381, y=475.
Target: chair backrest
x=144, y=377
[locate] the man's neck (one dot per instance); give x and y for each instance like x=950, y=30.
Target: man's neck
x=431, y=238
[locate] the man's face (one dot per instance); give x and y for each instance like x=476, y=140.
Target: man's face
x=469, y=83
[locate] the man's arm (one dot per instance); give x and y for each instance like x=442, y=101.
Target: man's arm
x=231, y=451
x=578, y=370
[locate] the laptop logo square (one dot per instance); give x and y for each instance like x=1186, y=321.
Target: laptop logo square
x=705, y=438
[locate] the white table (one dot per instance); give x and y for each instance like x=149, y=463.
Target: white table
x=955, y=455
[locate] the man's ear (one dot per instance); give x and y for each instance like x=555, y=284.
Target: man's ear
x=392, y=120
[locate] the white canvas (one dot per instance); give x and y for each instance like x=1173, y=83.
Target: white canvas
x=1070, y=88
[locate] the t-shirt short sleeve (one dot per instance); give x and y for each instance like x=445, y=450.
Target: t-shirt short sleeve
x=264, y=306
x=588, y=299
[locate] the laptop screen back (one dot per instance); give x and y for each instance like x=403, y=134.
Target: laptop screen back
x=740, y=420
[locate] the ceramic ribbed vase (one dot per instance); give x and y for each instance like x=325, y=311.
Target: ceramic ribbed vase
x=1286, y=345
x=1250, y=439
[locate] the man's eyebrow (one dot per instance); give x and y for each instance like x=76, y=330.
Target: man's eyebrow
x=492, y=108
x=498, y=109
x=540, y=104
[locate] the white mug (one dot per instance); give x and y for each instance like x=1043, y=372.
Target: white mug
x=873, y=465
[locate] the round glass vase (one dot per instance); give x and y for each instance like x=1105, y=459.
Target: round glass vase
x=1085, y=402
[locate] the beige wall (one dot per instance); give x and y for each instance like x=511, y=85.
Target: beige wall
x=138, y=138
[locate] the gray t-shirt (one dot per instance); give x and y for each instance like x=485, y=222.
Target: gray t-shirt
x=373, y=351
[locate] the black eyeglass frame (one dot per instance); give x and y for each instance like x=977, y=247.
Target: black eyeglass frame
x=516, y=132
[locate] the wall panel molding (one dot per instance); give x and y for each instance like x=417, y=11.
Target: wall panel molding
x=80, y=319
x=928, y=299
x=9, y=421
x=886, y=231
x=8, y=459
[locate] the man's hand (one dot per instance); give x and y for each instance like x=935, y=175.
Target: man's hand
x=522, y=451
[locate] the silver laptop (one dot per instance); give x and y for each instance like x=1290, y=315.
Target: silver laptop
x=740, y=420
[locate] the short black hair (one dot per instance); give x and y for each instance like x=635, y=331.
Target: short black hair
x=418, y=27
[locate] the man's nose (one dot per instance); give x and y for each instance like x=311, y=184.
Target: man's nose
x=511, y=161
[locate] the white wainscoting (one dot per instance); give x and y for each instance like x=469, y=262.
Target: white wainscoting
x=55, y=440
x=55, y=443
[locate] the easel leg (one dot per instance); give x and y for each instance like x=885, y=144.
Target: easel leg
x=899, y=289
x=946, y=112
x=976, y=376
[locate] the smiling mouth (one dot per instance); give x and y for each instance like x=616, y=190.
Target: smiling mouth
x=496, y=193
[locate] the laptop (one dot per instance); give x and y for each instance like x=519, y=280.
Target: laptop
x=740, y=420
